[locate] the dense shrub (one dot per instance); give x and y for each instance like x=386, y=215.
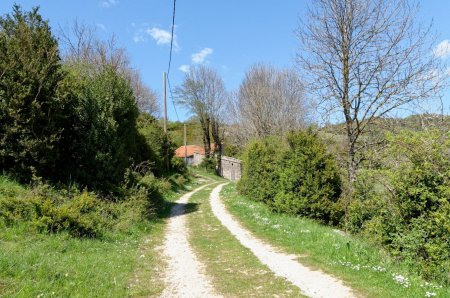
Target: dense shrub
x=260, y=174
x=106, y=130
x=299, y=177
x=70, y=123
x=83, y=214
x=80, y=214
x=406, y=205
x=158, y=147
x=33, y=111
x=177, y=165
x=309, y=183
x=209, y=164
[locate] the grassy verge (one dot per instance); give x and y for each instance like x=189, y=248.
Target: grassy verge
x=121, y=264
x=361, y=265
x=38, y=265
x=234, y=270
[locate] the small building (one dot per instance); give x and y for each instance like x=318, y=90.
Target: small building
x=194, y=154
x=231, y=168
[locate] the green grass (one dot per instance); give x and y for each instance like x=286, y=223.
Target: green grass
x=41, y=265
x=234, y=270
x=364, y=267
x=120, y=264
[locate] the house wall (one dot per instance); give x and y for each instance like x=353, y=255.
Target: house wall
x=197, y=159
x=231, y=168
x=190, y=160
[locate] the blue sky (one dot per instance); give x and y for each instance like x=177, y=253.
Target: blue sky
x=229, y=35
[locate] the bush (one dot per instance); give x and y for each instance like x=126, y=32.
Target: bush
x=260, y=174
x=81, y=216
x=178, y=165
x=14, y=209
x=106, y=133
x=209, y=164
x=159, y=150
x=132, y=212
x=32, y=112
x=406, y=205
x=309, y=183
x=298, y=178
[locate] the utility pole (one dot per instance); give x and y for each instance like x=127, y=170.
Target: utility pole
x=185, y=145
x=165, y=122
x=165, y=103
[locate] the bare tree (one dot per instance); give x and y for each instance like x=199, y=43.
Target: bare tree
x=269, y=102
x=146, y=98
x=364, y=59
x=203, y=93
x=81, y=46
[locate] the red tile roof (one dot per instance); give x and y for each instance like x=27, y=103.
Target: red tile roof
x=190, y=150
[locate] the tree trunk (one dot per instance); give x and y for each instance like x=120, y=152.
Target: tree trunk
x=217, y=145
x=352, y=166
x=206, y=137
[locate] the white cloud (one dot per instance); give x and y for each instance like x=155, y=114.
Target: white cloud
x=442, y=50
x=101, y=26
x=138, y=38
x=159, y=35
x=108, y=3
x=185, y=68
x=201, y=56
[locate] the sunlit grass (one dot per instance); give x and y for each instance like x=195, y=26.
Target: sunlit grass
x=121, y=264
x=361, y=265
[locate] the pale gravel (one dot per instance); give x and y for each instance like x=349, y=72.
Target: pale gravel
x=184, y=276
x=312, y=283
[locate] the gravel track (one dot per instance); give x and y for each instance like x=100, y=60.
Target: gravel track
x=184, y=276
x=312, y=283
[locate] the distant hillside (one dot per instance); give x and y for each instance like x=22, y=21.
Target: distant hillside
x=414, y=122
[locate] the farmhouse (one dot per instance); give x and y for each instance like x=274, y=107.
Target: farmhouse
x=194, y=154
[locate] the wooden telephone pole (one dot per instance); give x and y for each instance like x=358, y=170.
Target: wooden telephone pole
x=165, y=103
x=165, y=122
x=185, y=145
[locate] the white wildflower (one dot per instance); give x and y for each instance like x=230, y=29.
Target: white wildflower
x=400, y=279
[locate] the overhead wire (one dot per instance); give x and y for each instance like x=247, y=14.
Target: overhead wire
x=170, y=58
x=171, y=97
x=171, y=36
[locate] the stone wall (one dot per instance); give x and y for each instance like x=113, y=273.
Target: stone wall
x=231, y=168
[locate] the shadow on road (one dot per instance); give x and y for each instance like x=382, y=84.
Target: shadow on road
x=178, y=209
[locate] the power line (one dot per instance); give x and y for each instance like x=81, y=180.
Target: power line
x=170, y=58
x=171, y=97
x=171, y=39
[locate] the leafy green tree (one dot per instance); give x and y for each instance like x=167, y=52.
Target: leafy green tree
x=32, y=112
x=105, y=129
x=309, y=182
x=158, y=148
x=405, y=204
x=260, y=174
